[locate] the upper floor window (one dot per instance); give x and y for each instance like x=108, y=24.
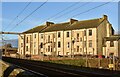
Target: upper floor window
x=34, y=44
x=67, y=34
x=21, y=44
x=90, y=32
x=53, y=35
x=77, y=48
x=51, y=49
x=58, y=34
x=54, y=44
x=48, y=48
x=90, y=43
x=26, y=48
x=68, y=44
x=59, y=44
x=80, y=49
x=77, y=37
x=41, y=45
x=35, y=35
x=84, y=32
x=111, y=43
x=81, y=39
x=49, y=38
x=41, y=36
x=84, y=43
x=27, y=40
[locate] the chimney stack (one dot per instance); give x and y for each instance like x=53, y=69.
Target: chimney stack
x=72, y=21
x=105, y=17
x=49, y=23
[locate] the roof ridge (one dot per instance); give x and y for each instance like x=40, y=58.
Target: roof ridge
x=60, y=23
x=67, y=26
x=89, y=19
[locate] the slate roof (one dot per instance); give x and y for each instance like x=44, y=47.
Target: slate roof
x=56, y=27
x=86, y=24
x=92, y=23
x=35, y=29
x=112, y=38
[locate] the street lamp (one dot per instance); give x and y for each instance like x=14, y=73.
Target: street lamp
x=93, y=51
x=73, y=41
x=86, y=48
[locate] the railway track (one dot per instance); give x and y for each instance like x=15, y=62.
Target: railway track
x=49, y=70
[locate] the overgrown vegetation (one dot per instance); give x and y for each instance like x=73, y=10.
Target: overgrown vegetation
x=77, y=62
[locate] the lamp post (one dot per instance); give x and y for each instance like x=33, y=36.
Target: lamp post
x=73, y=41
x=93, y=51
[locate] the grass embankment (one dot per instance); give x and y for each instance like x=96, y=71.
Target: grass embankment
x=94, y=63
x=79, y=64
x=76, y=62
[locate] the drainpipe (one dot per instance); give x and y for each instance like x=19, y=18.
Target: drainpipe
x=86, y=50
x=63, y=46
x=24, y=46
x=71, y=43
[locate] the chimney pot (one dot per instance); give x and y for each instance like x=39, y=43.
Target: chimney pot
x=72, y=21
x=49, y=23
x=105, y=17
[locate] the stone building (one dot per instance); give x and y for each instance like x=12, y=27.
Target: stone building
x=66, y=39
x=112, y=46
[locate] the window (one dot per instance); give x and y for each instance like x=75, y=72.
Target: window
x=58, y=34
x=84, y=43
x=90, y=43
x=80, y=49
x=54, y=44
x=77, y=48
x=41, y=45
x=49, y=38
x=48, y=48
x=34, y=44
x=77, y=37
x=53, y=35
x=111, y=44
x=59, y=45
x=84, y=32
x=51, y=48
x=68, y=44
x=27, y=40
x=21, y=44
x=67, y=34
x=35, y=35
x=90, y=32
x=81, y=39
x=26, y=48
x=41, y=36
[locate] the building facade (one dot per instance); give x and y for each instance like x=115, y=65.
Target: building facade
x=66, y=39
x=112, y=46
